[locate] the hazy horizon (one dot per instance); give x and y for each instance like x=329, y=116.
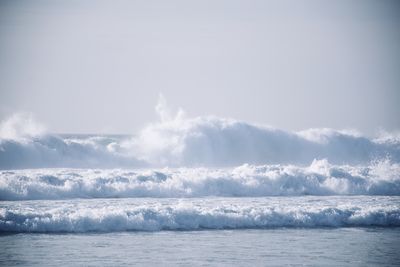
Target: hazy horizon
x=187, y=132
x=98, y=67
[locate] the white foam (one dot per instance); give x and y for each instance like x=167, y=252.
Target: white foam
x=320, y=178
x=49, y=151
x=20, y=126
x=177, y=141
x=213, y=141
x=195, y=214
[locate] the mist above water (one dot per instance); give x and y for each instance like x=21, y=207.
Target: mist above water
x=176, y=140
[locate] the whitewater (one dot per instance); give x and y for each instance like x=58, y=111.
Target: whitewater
x=189, y=142
x=198, y=191
x=319, y=179
x=183, y=173
x=146, y=214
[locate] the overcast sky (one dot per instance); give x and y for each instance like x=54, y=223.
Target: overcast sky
x=98, y=66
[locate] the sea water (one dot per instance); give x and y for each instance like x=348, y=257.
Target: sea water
x=224, y=231
x=370, y=246
x=250, y=215
x=202, y=191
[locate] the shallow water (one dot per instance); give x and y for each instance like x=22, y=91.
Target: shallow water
x=317, y=246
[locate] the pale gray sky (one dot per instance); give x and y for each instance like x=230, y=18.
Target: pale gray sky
x=98, y=66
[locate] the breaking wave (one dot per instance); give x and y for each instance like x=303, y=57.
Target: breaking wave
x=190, y=142
x=74, y=151
x=195, y=173
x=195, y=214
x=320, y=178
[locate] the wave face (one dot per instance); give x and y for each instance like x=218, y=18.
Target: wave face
x=195, y=173
x=189, y=142
x=210, y=141
x=195, y=214
x=320, y=178
x=51, y=151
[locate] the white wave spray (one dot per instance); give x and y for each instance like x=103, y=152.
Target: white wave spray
x=179, y=141
x=320, y=178
x=195, y=214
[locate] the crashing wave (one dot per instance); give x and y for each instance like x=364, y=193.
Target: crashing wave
x=51, y=151
x=320, y=178
x=178, y=141
x=211, y=141
x=196, y=214
x=202, y=141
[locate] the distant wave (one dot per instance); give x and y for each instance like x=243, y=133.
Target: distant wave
x=178, y=141
x=52, y=151
x=203, y=141
x=211, y=141
x=320, y=178
x=195, y=214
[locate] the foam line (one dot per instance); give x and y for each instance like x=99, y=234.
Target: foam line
x=319, y=178
x=196, y=214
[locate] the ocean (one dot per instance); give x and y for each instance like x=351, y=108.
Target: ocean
x=355, y=246
x=203, y=191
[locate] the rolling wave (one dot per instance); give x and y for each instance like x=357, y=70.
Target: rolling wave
x=211, y=141
x=53, y=151
x=180, y=141
x=320, y=178
x=203, y=141
x=196, y=214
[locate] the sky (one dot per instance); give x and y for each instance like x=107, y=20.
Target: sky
x=99, y=66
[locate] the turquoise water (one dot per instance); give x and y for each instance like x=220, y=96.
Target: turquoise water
x=268, y=247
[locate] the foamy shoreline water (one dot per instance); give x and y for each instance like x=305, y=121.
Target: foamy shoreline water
x=150, y=214
x=319, y=178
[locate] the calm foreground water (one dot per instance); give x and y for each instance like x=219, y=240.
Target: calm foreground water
x=318, y=246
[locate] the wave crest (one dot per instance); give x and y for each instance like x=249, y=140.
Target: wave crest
x=194, y=142
x=195, y=214
x=320, y=178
